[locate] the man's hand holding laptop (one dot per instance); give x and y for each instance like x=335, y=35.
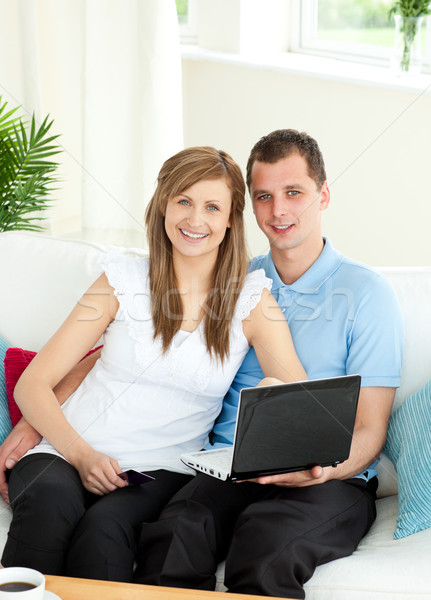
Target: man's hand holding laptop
x=315, y=475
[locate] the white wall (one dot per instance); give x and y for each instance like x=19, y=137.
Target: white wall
x=375, y=139
x=376, y=143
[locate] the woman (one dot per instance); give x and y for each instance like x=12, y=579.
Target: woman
x=177, y=326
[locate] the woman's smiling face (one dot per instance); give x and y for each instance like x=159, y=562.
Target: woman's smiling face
x=196, y=220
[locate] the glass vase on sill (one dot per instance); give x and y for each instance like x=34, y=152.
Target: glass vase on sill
x=407, y=52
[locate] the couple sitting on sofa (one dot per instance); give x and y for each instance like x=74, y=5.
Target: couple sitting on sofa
x=159, y=382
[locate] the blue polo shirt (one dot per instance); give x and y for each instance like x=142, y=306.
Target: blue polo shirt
x=344, y=318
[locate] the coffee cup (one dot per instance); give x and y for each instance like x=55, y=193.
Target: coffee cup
x=20, y=583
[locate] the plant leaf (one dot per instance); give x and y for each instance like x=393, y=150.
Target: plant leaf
x=26, y=170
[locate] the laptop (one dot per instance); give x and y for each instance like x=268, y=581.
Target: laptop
x=285, y=428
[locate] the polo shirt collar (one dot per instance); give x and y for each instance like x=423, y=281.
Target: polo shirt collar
x=319, y=272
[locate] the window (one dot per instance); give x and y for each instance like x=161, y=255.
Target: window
x=182, y=11
x=187, y=20
x=357, y=30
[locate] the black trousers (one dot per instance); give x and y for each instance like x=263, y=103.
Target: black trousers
x=273, y=538
x=60, y=528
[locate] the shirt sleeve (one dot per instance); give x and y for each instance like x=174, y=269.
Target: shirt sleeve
x=377, y=336
x=251, y=293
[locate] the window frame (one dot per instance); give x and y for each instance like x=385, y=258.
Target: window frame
x=303, y=40
x=189, y=30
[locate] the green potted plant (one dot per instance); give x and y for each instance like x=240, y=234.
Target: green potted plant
x=26, y=170
x=408, y=16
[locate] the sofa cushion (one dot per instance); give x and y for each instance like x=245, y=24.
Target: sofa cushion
x=408, y=446
x=5, y=422
x=16, y=360
x=412, y=286
x=44, y=278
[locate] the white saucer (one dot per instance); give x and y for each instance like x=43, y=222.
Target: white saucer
x=50, y=596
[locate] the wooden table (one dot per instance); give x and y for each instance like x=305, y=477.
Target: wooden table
x=69, y=588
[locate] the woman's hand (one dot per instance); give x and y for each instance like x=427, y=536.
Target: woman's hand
x=98, y=473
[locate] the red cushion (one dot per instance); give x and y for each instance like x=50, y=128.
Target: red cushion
x=16, y=360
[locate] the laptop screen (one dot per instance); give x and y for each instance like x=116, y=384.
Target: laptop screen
x=295, y=426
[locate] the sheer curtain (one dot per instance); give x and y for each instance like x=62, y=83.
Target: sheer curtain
x=109, y=73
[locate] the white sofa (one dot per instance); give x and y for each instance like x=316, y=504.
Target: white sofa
x=41, y=278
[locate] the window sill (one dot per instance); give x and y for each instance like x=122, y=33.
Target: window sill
x=318, y=67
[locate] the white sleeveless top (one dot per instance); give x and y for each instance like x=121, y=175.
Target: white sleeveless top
x=140, y=406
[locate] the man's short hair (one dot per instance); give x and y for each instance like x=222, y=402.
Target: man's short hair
x=282, y=143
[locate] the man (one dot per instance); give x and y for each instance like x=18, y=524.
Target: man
x=344, y=319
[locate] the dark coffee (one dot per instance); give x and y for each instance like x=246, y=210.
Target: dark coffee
x=16, y=586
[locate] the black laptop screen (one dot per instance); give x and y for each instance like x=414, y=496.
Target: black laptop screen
x=294, y=426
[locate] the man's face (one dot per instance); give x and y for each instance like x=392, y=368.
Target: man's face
x=287, y=202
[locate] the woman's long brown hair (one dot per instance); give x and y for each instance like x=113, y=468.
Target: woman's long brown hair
x=177, y=174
